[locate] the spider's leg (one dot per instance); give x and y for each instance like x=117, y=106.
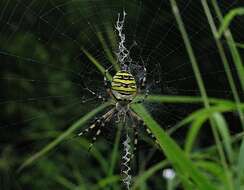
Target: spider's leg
x=107, y=83
x=135, y=140
x=143, y=81
x=142, y=85
x=87, y=130
x=150, y=134
x=144, y=125
x=105, y=80
x=94, y=138
x=135, y=132
x=97, y=123
x=96, y=95
x=143, y=99
x=103, y=120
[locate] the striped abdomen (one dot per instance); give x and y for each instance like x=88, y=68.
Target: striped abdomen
x=124, y=86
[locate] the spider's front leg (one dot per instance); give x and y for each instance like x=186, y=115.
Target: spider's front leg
x=142, y=86
x=143, y=81
x=107, y=83
x=105, y=80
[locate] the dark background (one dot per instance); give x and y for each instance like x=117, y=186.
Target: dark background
x=44, y=75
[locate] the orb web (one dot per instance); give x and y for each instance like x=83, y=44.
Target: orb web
x=48, y=79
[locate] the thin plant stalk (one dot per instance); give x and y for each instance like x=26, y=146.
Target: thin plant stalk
x=115, y=151
x=200, y=85
x=232, y=46
x=240, y=69
x=224, y=59
x=107, y=51
x=63, y=135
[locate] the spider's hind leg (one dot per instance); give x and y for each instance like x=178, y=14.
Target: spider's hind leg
x=135, y=131
x=151, y=135
x=94, y=138
x=99, y=124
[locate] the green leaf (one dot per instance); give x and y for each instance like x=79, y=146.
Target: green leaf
x=228, y=19
x=108, y=181
x=231, y=42
x=240, y=45
x=115, y=151
x=193, y=132
x=207, y=112
x=240, y=166
x=64, y=135
x=97, y=64
x=107, y=51
x=225, y=134
x=83, y=143
x=65, y=183
x=147, y=174
x=183, y=99
x=214, y=169
x=175, y=155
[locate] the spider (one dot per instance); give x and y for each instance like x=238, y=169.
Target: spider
x=123, y=89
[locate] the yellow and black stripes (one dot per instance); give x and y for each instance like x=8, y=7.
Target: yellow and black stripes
x=124, y=86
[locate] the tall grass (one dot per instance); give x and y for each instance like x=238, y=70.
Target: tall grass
x=199, y=169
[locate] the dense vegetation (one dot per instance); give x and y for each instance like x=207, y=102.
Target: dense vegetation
x=53, y=53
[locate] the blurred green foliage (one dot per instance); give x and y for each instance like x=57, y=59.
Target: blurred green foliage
x=48, y=50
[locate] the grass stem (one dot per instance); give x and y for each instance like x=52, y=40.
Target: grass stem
x=200, y=83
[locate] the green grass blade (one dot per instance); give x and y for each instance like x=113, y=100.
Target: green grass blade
x=234, y=139
x=224, y=59
x=240, y=45
x=240, y=167
x=225, y=134
x=240, y=70
x=206, y=112
x=147, y=174
x=108, y=181
x=63, y=136
x=97, y=64
x=173, y=152
x=83, y=143
x=232, y=46
x=214, y=169
x=228, y=19
x=198, y=77
x=199, y=113
x=190, y=52
x=108, y=52
x=65, y=183
x=183, y=99
x=187, y=184
x=115, y=152
x=193, y=132
x=112, y=37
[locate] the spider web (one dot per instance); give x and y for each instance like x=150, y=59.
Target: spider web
x=48, y=81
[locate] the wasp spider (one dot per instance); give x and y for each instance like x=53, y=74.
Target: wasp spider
x=123, y=89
